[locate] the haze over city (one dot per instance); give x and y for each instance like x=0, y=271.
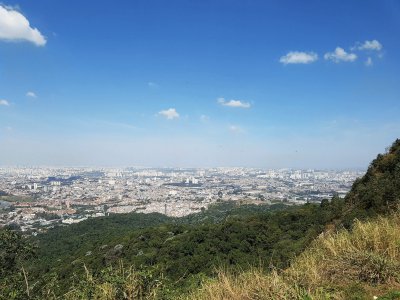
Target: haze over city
x=266, y=84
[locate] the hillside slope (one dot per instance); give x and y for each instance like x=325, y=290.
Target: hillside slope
x=360, y=262
x=378, y=191
x=357, y=264
x=182, y=254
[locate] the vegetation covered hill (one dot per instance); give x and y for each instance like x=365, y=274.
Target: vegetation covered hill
x=182, y=254
x=155, y=257
x=93, y=239
x=378, y=191
x=359, y=264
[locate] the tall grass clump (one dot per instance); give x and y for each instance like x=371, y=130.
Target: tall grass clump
x=253, y=284
x=114, y=283
x=369, y=253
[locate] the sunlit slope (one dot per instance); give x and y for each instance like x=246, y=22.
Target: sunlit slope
x=357, y=264
x=378, y=191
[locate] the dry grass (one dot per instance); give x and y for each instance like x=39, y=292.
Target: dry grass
x=114, y=283
x=253, y=284
x=370, y=253
x=367, y=257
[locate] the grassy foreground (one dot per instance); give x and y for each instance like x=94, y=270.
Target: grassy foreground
x=363, y=263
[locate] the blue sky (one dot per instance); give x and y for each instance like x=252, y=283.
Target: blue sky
x=271, y=84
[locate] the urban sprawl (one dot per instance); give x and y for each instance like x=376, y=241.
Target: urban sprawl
x=38, y=198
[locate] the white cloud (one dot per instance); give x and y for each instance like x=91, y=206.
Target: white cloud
x=31, y=95
x=4, y=102
x=233, y=103
x=369, y=62
x=340, y=55
x=370, y=45
x=15, y=27
x=170, y=113
x=296, y=57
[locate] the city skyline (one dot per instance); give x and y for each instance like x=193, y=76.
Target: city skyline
x=46, y=197
x=182, y=84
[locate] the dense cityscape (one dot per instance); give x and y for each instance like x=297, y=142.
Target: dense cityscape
x=36, y=198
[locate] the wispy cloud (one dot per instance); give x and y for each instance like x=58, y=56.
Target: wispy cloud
x=235, y=129
x=118, y=125
x=233, y=103
x=15, y=27
x=170, y=114
x=4, y=102
x=340, y=55
x=369, y=62
x=204, y=118
x=297, y=57
x=31, y=94
x=152, y=85
x=369, y=45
